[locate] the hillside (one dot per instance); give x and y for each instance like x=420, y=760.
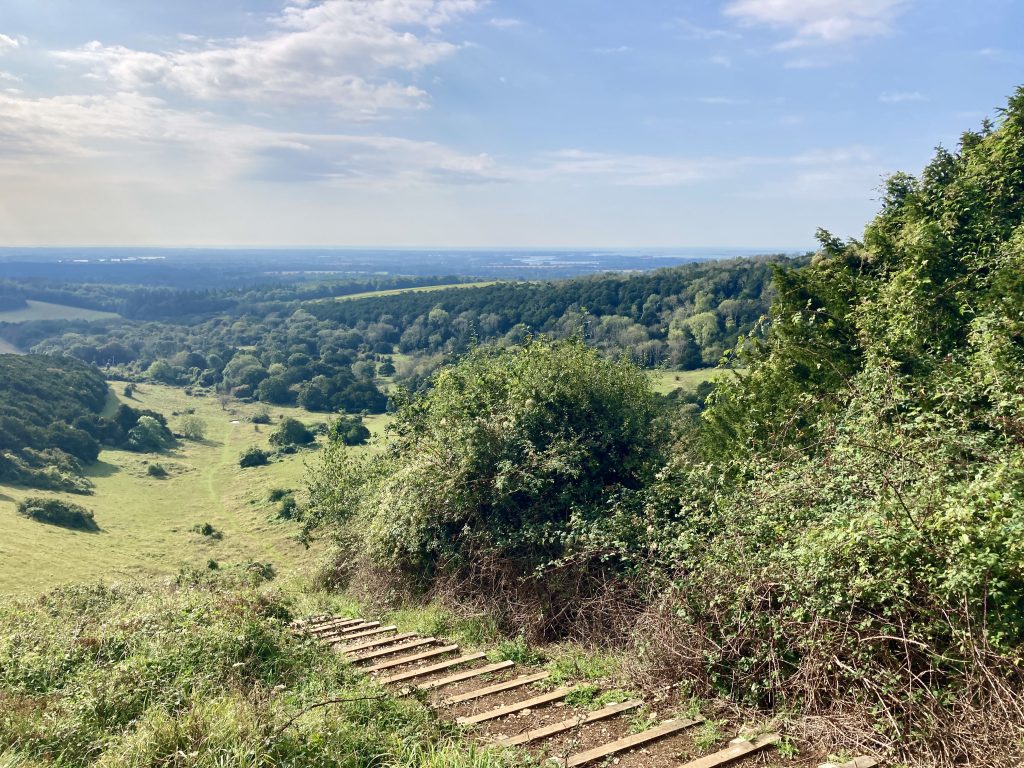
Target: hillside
x=147, y=522
x=836, y=539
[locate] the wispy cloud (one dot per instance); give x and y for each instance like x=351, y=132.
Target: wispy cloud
x=901, y=97
x=720, y=61
x=504, y=23
x=815, y=22
x=8, y=43
x=613, y=49
x=346, y=53
x=720, y=100
x=687, y=30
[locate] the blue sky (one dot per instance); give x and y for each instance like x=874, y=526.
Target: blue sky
x=475, y=123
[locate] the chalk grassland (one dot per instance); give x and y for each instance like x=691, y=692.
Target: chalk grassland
x=420, y=289
x=664, y=382
x=41, y=310
x=146, y=522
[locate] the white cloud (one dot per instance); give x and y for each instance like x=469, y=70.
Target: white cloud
x=690, y=31
x=719, y=100
x=613, y=50
x=819, y=21
x=8, y=43
x=504, y=23
x=720, y=61
x=346, y=53
x=135, y=131
x=901, y=97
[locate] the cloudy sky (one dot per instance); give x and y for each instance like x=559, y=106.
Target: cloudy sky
x=480, y=123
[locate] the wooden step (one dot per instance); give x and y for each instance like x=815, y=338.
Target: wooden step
x=376, y=643
x=342, y=631
x=737, y=748
x=364, y=633
x=858, y=762
x=458, y=677
x=508, y=709
x=626, y=742
x=395, y=649
x=331, y=626
x=414, y=658
x=413, y=673
x=310, y=621
x=507, y=685
x=567, y=725
x=358, y=633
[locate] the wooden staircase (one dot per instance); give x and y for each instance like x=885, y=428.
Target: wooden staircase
x=501, y=703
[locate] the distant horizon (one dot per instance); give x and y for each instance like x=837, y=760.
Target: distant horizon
x=480, y=122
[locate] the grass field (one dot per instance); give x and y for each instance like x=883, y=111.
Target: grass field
x=41, y=310
x=420, y=289
x=146, y=522
x=667, y=381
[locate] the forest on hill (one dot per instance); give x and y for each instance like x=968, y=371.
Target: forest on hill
x=291, y=345
x=839, y=535
x=51, y=422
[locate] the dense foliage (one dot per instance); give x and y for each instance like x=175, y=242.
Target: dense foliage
x=281, y=346
x=501, y=465
x=841, y=534
x=201, y=673
x=50, y=423
x=57, y=512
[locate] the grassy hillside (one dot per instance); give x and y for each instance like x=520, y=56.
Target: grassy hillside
x=419, y=289
x=41, y=310
x=663, y=381
x=6, y=348
x=146, y=522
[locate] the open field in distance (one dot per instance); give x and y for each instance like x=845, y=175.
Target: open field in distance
x=41, y=310
x=147, y=522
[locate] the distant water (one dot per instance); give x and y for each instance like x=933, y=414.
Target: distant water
x=209, y=267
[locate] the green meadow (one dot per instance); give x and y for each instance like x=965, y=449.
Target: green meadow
x=146, y=522
x=41, y=310
x=420, y=289
x=663, y=382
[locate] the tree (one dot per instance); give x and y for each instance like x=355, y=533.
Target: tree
x=350, y=430
x=149, y=436
x=291, y=432
x=511, y=454
x=253, y=457
x=192, y=427
x=274, y=390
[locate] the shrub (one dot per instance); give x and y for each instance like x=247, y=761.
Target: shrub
x=149, y=436
x=192, y=427
x=56, y=512
x=207, y=530
x=350, y=430
x=260, y=416
x=156, y=470
x=291, y=432
x=505, y=464
x=287, y=508
x=253, y=457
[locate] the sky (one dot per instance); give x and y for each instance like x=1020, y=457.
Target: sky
x=481, y=123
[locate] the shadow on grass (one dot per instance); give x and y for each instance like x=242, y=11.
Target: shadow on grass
x=102, y=469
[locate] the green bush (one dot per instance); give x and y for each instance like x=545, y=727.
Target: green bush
x=291, y=432
x=508, y=460
x=156, y=470
x=56, y=512
x=350, y=430
x=207, y=530
x=253, y=457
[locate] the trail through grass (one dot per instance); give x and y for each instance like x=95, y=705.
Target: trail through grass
x=419, y=289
